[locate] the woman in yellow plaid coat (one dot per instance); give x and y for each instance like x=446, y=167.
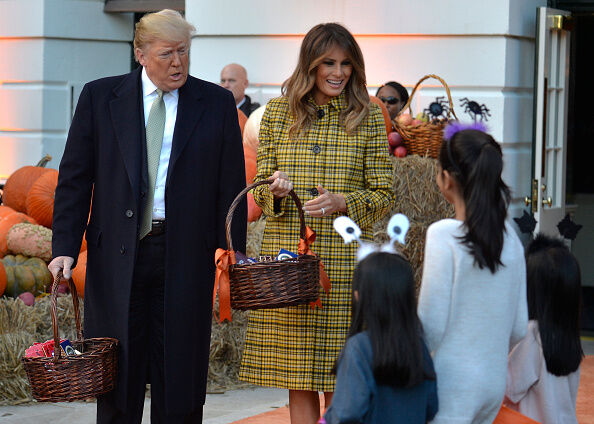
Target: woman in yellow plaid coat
x=324, y=140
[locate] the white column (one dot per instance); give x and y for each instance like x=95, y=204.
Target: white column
x=49, y=49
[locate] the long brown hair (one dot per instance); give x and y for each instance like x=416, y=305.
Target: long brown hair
x=316, y=44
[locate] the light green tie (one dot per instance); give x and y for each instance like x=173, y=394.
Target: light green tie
x=154, y=140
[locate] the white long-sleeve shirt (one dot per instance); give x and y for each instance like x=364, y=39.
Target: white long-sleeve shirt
x=471, y=318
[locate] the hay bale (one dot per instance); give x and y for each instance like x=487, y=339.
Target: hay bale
x=14, y=387
x=16, y=316
x=17, y=332
x=419, y=198
x=255, y=232
x=65, y=314
x=227, y=338
x=226, y=346
x=417, y=194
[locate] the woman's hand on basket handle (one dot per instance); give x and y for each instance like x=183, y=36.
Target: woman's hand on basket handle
x=63, y=263
x=281, y=185
x=325, y=204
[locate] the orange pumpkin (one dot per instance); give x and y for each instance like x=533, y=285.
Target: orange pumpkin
x=249, y=157
x=18, y=184
x=385, y=112
x=509, y=416
x=3, y=279
x=6, y=224
x=5, y=210
x=242, y=120
x=40, y=199
x=254, y=211
x=83, y=245
x=79, y=273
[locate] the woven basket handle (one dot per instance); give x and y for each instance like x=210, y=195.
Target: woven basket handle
x=417, y=85
x=243, y=193
x=54, y=305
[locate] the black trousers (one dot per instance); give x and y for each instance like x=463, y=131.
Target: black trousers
x=145, y=337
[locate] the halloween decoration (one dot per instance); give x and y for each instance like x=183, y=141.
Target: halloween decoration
x=474, y=109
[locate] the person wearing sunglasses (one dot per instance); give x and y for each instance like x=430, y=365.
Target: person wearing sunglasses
x=394, y=97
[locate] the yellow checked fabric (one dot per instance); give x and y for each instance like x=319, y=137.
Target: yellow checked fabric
x=295, y=348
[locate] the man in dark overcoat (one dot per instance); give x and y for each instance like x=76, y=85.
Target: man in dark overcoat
x=155, y=219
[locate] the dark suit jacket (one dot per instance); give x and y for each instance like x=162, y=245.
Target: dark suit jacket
x=248, y=107
x=104, y=157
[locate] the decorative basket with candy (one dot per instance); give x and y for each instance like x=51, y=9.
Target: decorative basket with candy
x=269, y=282
x=79, y=370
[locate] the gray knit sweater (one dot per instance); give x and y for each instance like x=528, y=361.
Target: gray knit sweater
x=471, y=319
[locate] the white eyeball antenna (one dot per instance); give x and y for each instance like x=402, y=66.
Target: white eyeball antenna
x=397, y=228
x=347, y=229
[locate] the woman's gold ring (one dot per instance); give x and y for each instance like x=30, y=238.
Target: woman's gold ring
x=323, y=211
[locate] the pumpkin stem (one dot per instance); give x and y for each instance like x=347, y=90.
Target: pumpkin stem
x=44, y=160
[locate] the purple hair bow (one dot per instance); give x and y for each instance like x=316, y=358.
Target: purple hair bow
x=455, y=126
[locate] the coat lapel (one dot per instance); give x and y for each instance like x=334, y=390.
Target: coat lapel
x=126, y=116
x=190, y=108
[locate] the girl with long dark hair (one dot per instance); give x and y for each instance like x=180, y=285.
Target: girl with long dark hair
x=472, y=301
x=544, y=368
x=385, y=373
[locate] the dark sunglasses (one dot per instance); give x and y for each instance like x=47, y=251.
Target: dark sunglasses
x=390, y=100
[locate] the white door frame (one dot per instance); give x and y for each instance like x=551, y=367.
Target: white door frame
x=550, y=119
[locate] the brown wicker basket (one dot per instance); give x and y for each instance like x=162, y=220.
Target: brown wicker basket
x=68, y=378
x=277, y=283
x=424, y=139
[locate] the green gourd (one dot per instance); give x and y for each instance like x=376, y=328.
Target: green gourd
x=25, y=274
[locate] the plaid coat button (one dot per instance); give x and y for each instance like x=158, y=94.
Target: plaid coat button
x=316, y=149
x=314, y=191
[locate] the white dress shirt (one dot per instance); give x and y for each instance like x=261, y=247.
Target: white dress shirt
x=170, y=98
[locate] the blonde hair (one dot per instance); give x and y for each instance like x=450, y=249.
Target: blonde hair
x=316, y=44
x=167, y=25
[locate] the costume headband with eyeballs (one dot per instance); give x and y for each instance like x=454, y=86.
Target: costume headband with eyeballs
x=397, y=229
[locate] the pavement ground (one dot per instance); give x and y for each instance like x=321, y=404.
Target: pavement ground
x=222, y=408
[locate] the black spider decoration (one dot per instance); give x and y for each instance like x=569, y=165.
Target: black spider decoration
x=474, y=109
x=438, y=109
